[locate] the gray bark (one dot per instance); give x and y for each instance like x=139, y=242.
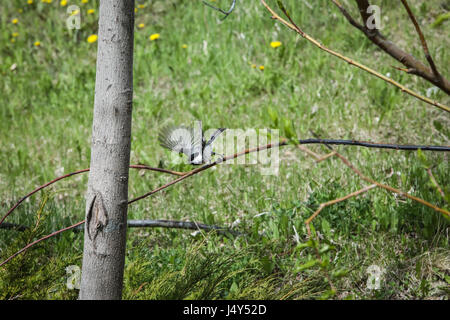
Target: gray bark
x=107, y=194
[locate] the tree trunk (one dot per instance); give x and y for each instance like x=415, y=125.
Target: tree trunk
x=107, y=195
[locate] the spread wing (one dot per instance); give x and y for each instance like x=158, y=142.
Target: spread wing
x=179, y=139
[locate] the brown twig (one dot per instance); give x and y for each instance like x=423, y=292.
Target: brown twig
x=391, y=189
x=439, y=189
x=423, y=41
x=283, y=142
x=413, y=65
x=293, y=27
x=39, y=240
x=131, y=224
x=134, y=166
x=365, y=189
x=329, y=203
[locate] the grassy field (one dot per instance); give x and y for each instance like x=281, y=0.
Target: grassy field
x=204, y=68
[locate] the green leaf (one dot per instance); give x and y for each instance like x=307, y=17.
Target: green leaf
x=267, y=265
x=326, y=248
x=273, y=114
x=440, y=19
x=313, y=230
x=447, y=279
x=327, y=295
x=307, y=265
x=423, y=159
x=234, y=288
x=290, y=131
x=438, y=125
x=326, y=227
x=340, y=273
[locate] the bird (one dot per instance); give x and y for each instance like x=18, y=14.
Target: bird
x=189, y=141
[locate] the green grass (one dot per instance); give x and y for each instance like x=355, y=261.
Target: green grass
x=46, y=114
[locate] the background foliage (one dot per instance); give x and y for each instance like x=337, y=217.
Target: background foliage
x=202, y=68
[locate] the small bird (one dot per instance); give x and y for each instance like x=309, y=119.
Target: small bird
x=190, y=141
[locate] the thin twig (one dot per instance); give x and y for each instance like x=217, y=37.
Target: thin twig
x=39, y=240
x=439, y=189
x=293, y=27
x=413, y=65
x=283, y=142
x=134, y=166
x=422, y=40
x=389, y=188
x=329, y=203
x=183, y=175
x=131, y=224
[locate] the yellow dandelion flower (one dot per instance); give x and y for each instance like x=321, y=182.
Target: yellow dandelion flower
x=75, y=12
x=15, y=34
x=92, y=38
x=261, y=68
x=84, y=1
x=13, y=40
x=135, y=10
x=141, y=6
x=154, y=36
x=63, y=3
x=184, y=46
x=275, y=44
x=37, y=44
x=15, y=21
x=141, y=25
x=30, y=1
x=91, y=11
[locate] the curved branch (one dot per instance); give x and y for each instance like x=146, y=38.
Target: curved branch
x=301, y=141
x=41, y=239
x=134, y=166
x=207, y=166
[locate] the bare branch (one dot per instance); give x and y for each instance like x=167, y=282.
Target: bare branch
x=422, y=40
x=414, y=66
x=433, y=180
x=352, y=62
x=184, y=175
x=283, y=142
x=329, y=203
x=135, y=166
x=41, y=239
